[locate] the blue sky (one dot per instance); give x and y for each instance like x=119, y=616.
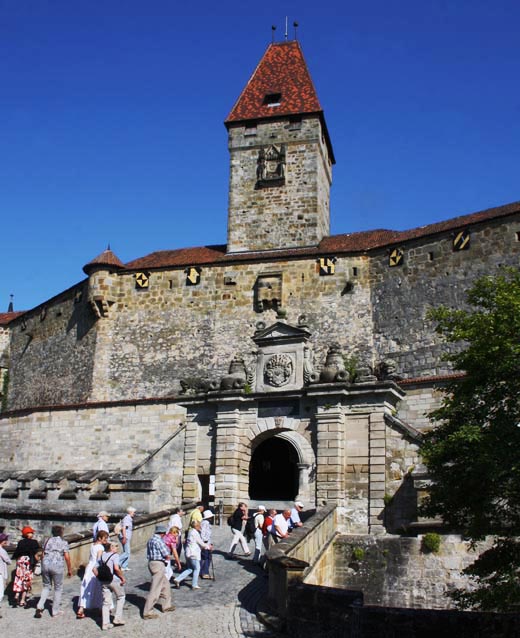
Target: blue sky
x=111, y=120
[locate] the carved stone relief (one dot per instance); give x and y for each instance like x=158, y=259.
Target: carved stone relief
x=278, y=370
x=268, y=292
x=270, y=166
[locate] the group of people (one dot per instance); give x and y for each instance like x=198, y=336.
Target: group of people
x=52, y=558
x=265, y=527
x=163, y=552
x=104, y=573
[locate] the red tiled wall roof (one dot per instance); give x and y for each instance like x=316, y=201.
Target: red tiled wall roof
x=348, y=243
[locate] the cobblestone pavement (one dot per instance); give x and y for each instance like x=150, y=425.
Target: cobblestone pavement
x=224, y=607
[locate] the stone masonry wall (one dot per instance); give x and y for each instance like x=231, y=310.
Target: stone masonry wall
x=295, y=213
x=419, y=401
x=114, y=440
x=395, y=572
x=432, y=274
x=47, y=439
x=52, y=352
x=171, y=331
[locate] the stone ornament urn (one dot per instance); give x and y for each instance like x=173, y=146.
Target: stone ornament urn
x=334, y=368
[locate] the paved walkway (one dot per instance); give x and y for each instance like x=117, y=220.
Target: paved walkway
x=223, y=608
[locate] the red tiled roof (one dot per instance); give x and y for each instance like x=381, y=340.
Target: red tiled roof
x=282, y=70
x=360, y=242
x=106, y=258
x=7, y=317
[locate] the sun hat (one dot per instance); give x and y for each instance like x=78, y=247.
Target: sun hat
x=298, y=503
x=208, y=514
x=103, y=513
x=261, y=508
x=27, y=530
x=160, y=529
x=3, y=537
x=131, y=509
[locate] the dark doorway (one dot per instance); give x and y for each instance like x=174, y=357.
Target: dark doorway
x=273, y=472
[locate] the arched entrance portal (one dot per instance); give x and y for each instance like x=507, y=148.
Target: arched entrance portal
x=273, y=471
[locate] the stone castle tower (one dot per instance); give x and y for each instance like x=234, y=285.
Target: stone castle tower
x=281, y=157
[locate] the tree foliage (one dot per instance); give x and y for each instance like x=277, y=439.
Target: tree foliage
x=473, y=453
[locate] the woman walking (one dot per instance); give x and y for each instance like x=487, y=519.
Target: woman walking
x=91, y=594
x=206, y=555
x=25, y=555
x=194, y=544
x=55, y=556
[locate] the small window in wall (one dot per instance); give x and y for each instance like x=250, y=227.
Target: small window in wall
x=518, y=235
x=354, y=271
x=272, y=99
x=431, y=256
x=250, y=129
x=295, y=123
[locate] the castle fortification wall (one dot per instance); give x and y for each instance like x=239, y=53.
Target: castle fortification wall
x=52, y=352
x=431, y=274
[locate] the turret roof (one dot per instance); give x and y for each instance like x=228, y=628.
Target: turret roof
x=7, y=317
x=106, y=259
x=281, y=71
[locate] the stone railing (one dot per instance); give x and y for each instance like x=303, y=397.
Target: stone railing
x=289, y=561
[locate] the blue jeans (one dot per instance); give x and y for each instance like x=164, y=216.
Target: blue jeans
x=125, y=556
x=193, y=568
x=205, y=562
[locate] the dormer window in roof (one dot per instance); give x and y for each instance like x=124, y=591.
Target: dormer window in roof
x=272, y=99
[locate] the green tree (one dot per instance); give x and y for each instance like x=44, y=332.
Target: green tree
x=473, y=453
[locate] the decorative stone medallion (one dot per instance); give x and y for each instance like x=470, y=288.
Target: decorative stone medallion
x=278, y=370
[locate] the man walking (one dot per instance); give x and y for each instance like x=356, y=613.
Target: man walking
x=127, y=525
x=158, y=557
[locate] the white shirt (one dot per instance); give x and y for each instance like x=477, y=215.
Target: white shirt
x=175, y=521
x=295, y=516
x=282, y=523
x=99, y=526
x=128, y=525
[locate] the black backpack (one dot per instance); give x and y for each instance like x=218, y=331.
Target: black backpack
x=230, y=520
x=104, y=573
x=250, y=528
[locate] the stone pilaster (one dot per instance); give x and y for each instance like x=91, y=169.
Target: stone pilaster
x=330, y=458
x=232, y=455
x=376, y=472
x=190, y=483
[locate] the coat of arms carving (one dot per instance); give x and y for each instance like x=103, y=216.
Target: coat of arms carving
x=278, y=370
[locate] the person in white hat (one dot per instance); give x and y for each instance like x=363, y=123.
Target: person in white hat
x=295, y=515
x=206, y=554
x=127, y=525
x=258, y=518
